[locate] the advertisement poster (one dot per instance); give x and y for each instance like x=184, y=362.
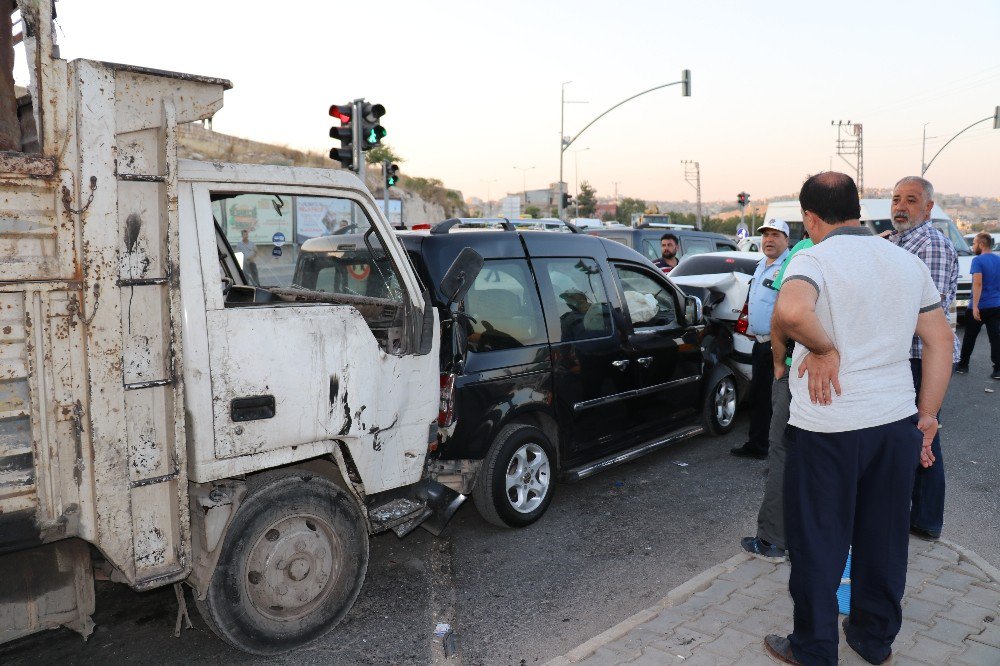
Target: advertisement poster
x=263, y=215
x=322, y=216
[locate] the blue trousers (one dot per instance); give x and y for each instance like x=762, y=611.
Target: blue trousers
x=842, y=489
x=927, y=510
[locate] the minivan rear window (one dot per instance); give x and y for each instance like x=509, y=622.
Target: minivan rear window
x=504, y=304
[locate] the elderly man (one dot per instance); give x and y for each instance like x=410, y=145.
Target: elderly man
x=760, y=304
x=985, y=304
x=855, y=432
x=912, y=201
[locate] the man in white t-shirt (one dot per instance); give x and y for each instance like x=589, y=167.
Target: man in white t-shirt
x=854, y=437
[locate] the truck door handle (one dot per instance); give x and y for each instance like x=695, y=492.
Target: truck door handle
x=254, y=408
x=621, y=365
x=645, y=361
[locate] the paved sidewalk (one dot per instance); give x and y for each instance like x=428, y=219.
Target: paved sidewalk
x=951, y=615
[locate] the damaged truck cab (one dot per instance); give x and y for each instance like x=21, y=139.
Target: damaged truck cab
x=159, y=410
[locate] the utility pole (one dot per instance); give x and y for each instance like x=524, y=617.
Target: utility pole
x=616, y=183
x=847, y=146
x=385, y=188
x=693, y=170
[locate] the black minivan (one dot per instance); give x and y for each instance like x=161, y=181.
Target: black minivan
x=569, y=354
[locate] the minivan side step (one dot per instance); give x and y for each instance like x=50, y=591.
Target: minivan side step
x=582, y=472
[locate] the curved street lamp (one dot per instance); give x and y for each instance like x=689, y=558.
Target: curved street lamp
x=996, y=125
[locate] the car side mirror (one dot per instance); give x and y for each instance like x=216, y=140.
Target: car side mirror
x=461, y=274
x=693, y=310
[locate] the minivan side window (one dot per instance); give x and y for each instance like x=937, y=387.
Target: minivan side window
x=504, y=306
x=581, y=301
x=649, y=302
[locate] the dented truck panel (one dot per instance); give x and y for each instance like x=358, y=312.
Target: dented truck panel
x=329, y=379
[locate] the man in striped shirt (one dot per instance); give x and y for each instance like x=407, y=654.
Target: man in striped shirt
x=912, y=201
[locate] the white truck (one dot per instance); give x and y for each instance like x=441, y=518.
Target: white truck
x=165, y=421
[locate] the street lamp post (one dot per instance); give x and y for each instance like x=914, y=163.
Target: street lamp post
x=996, y=125
x=489, y=200
x=576, y=174
x=524, y=182
x=565, y=143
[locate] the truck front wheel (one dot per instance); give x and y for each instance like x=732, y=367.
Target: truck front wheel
x=292, y=564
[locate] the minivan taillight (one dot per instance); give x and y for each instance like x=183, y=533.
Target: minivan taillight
x=446, y=413
x=743, y=323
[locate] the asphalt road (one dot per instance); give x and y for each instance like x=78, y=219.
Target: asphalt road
x=608, y=547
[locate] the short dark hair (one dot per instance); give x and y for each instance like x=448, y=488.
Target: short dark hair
x=831, y=196
x=984, y=237
x=669, y=237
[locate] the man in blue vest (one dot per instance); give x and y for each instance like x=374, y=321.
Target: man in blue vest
x=760, y=305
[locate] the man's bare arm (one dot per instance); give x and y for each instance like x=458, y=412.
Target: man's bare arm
x=779, y=342
x=795, y=313
x=938, y=340
x=977, y=292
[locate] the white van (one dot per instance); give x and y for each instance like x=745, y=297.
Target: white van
x=876, y=214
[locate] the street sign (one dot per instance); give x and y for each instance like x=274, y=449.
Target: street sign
x=742, y=231
x=276, y=251
x=278, y=239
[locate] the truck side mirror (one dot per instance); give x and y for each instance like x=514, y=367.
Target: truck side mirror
x=461, y=274
x=692, y=310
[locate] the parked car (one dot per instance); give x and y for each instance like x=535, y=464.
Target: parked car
x=645, y=239
x=569, y=354
x=722, y=280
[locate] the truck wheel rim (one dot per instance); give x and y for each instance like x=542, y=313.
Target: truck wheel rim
x=293, y=566
x=528, y=478
x=725, y=402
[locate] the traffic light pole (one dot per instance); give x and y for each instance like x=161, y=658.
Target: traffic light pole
x=356, y=129
x=385, y=188
x=564, y=144
x=996, y=125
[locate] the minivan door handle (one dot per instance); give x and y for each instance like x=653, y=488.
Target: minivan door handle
x=621, y=365
x=645, y=361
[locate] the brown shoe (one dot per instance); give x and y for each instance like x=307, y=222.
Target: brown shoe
x=780, y=648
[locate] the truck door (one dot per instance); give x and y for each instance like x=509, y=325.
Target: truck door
x=293, y=364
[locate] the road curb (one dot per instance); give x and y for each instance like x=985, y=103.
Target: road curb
x=674, y=597
x=974, y=559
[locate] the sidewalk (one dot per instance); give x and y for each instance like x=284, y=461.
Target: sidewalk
x=951, y=614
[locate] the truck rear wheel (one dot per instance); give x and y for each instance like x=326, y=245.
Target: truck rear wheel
x=291, y=566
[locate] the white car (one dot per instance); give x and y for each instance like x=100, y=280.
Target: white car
x=749, y=244
x=722, y=281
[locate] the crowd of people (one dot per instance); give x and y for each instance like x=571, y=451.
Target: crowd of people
x=852, y=358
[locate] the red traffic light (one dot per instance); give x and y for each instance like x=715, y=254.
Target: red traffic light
x=341, y=112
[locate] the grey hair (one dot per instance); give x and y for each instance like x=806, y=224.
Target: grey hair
x=923, y=183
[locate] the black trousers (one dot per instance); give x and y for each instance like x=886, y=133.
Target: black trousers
x=760, y=396
x=844, y=489
x=991, y=320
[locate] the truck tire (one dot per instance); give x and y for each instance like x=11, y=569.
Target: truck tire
x=292, y=564
x=515, y=483
x=721, y=404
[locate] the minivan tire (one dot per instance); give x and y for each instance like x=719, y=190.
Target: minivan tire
x=721, y=405
x=515, y=483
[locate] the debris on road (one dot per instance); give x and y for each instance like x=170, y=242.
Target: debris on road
x=680, y=464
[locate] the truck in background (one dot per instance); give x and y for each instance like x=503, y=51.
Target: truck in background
x=164, y=418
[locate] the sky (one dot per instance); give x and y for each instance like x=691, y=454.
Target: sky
x=472, y=89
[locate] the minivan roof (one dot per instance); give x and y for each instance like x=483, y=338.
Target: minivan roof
x=871, y=209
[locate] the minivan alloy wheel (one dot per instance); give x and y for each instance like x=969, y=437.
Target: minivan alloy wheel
x=725, y=402
x=528, y=477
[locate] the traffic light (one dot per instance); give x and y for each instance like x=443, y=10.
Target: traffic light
x=567, y=200
x=742, y=199
x=372, y=132
x=686, y=83
x=345, y=134
x=391, y=175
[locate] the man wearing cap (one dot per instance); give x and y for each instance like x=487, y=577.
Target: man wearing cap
x=760, y=305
